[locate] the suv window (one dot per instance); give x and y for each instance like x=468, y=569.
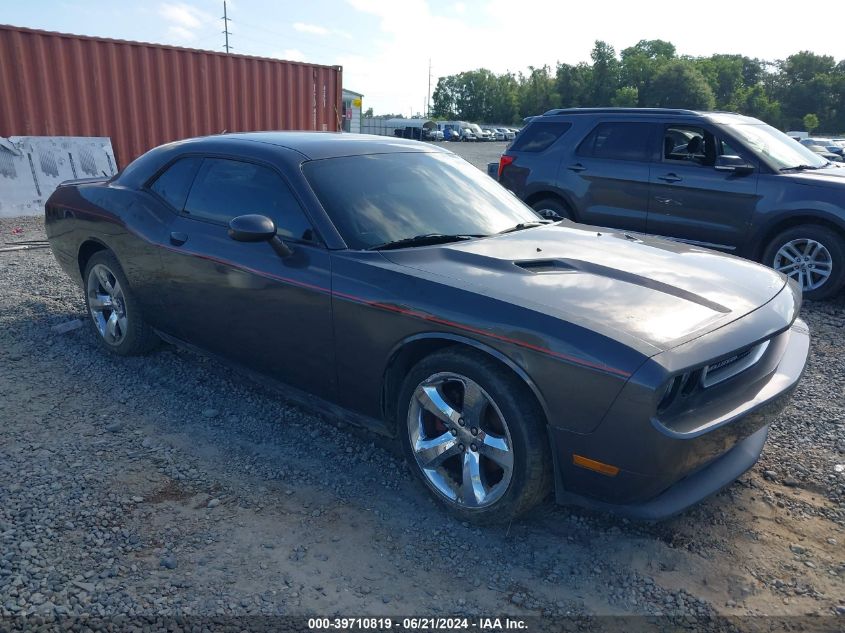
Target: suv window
x=174, y=182
x=619, y=141
x=689, y=143
x=224, y=189
x=539, y=135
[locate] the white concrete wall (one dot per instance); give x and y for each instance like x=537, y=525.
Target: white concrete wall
x=31, y=167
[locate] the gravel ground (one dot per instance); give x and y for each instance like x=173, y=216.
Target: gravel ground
x=165, y=485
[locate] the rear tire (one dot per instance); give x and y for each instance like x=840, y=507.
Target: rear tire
x=812, y=255
x=115, y=314
x=553, y=209
x=475, y=435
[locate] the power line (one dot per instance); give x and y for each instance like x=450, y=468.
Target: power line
x=226, y=27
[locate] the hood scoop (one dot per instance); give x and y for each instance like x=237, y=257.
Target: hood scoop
x=546, y=265
x=540, y=266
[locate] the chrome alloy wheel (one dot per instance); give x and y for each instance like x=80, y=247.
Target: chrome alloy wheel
x=107, y=304
x=807, y=261
x=460, y=440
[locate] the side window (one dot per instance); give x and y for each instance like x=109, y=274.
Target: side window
x=174, y=182
x=539, y=135
x=224, y=189
x=619, y=141
x=726, y=149
x=690, y=144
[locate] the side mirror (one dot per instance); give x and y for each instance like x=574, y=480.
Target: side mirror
x=252, y=228
x=735, y=164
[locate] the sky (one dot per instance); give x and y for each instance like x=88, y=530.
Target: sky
x=385, y=46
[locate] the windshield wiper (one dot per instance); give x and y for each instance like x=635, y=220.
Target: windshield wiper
x=422, y=240
x=525, y=225
x=800, y=167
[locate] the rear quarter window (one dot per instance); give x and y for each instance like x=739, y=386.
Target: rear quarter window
x=174, y=182
x=619, y=141
x=539, y=136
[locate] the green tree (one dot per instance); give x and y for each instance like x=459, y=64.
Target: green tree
x=605, y=76
x=573, y=85
x=679, y=85
x=443, y=99
x=626, y=97
x=641, y=62
x=724, y=74
x=807, y=83
x=811, y=122
x=537, y=92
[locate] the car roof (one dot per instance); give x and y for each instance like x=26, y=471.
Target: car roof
x=318, y=145
x=714, y=116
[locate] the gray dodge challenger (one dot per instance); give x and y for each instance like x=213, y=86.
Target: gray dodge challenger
x=391, y=283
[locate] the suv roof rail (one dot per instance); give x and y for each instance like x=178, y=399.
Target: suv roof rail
x=655, y=111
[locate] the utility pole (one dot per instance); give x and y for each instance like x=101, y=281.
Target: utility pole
x=428, y=97
x=226, y=27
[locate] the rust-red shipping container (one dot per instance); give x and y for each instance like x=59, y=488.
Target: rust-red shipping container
x=142, y=95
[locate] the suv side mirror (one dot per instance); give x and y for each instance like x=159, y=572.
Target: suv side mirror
x=736, y=164
x=252, y=228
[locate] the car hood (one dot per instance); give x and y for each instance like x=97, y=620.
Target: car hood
x=655, y=291
x=828, y=175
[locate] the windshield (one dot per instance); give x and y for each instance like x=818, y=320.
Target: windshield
x=381, y=198
x=776, y=147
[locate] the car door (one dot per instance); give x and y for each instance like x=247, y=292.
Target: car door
x=693, y=201
x=608, y=174
x=242, y=300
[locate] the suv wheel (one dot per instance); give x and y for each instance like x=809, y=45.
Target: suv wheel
x=812, y=255
x=475, y=436
x=552, y=209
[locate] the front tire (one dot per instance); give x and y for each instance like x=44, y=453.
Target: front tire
x=812, y=255
x=114, y=311
x=552, y=209
x=475, y=436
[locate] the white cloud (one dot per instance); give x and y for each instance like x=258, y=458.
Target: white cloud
x=180, y=34
x=290, y=54
x=460, y=7
x=314, y=29
x=184, y=21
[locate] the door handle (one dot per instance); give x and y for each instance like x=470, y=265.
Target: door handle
x=670, y=178
x=576, y=167
x=177, y=238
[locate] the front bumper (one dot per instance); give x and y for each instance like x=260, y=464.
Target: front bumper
x=664, y=472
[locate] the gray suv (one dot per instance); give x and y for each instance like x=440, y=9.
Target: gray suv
x=712, y=179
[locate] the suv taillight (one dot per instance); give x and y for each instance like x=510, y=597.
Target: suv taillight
x=504, y=161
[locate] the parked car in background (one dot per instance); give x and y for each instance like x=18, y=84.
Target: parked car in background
x=436, y=135
x=510, y=358
x=823, y=152
x=468, y=135
x=497, y=134
x=716, y=180
x=507, y=135
x=797, y=135
x=825, y=143
x=479, y=133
